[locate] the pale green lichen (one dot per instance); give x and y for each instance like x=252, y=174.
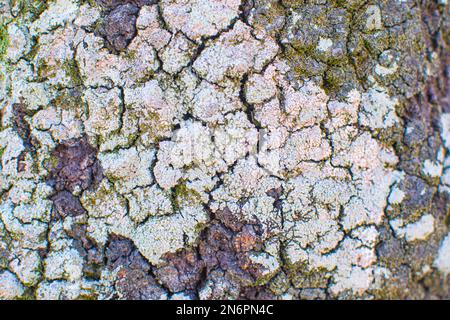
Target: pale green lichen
x=278, y=130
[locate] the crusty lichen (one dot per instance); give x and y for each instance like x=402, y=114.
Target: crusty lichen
x=224, y=149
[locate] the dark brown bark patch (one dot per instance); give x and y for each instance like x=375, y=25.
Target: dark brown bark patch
x=119, y=24
x=223, y=251
x=22, y=127
x=119, y=27
x=135, y=281
x=67, y=204
x=77, y=167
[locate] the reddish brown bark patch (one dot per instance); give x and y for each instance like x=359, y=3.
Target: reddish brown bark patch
x=224, y=249
x=182, y=272
x=119, y=24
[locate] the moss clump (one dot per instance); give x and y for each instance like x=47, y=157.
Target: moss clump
x=263, y=280
x=330, y=83
x=184, y=195
x=147, y=76
x=87, y=297
x=333, y=80
x=302, y=277
x=26, y=296
x=31, y=55
x=4, y=41
x=51, y=163
x=2, y=151
x=130, y=55
x=44, y=71
x=30, y=8
x=303, y=50
x=350, y=5
x=65, y=101
x=152, y=124
x=199, y=227
x=92, y=3
x=73, y=72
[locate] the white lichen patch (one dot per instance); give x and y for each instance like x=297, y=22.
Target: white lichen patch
x=386, y=71
x=128, y=168
x=18, y=42
x=445, y=134
x=211, y=102
x=103, y=110
x=66, y=264
x=177, y=54
x=445, y=129
x=58, y=13
x=419, y=230
x=235, y=53
x=199, y=18
x=396, y=196
x=324, y=44
x=442, y=261
x=200, y=145
x=378, y=109
x=432, y=168
x=373, y=22
x=10, y=286
x=58, y=290
x=148, y=201
x=166, y=234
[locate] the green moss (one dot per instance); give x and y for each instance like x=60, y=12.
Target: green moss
x=182, y=194
x=98, y=25
x=4, y=41
x=73, y=72
x=44, y=71
x=294, y=4
x=304, y=50
x=87, y=297
x=31, y=55
x=148, y=75
x=92, y=3
x=310, y=279
x=4, y=263
x=296, y=58
x=30, y=8
x=332, y=82
x=301, y=276
x=199, y=227
x=130, y=55
x=263, y=280
x=275, y=11
x=151, y=124
x=350, y=5
x=26, y=296
x=2, y=151
x=65, y=101
x=51, y=163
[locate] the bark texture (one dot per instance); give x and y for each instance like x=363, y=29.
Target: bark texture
x=224, y=149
